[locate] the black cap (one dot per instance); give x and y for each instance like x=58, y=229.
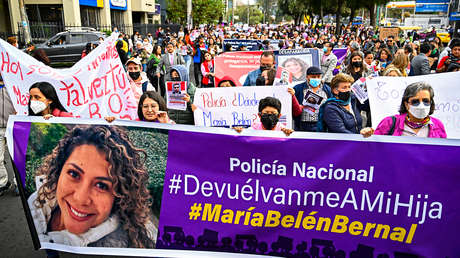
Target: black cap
x=312, y=70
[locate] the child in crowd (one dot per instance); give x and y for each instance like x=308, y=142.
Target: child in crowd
x=269, y=114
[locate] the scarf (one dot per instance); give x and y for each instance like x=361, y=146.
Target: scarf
x=417, y=125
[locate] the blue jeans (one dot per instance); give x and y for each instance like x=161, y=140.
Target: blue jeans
x=188, y=61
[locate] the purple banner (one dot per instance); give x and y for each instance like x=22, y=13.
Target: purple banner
x=341, y=54
x=21, y=132
x=293, y=197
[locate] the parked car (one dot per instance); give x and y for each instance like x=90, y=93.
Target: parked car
x=67, y=46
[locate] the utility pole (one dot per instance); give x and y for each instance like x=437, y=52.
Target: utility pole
x=233, y=12
x=25, y=22
x=189, y=15
x=249, y=11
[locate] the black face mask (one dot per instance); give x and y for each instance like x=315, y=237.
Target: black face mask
x=134, y=75
x=344, y=96
x=357, y=64
x=265, y=67
x=175, y=79
x=260, y=81
x=269, y=121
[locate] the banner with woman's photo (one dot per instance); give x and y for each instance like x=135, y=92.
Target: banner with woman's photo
x=160, y=190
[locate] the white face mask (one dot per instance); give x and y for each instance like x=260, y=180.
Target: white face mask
x=37, y=106
x=421, y=111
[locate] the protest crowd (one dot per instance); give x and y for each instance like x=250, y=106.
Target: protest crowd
x=188, y=56
x=163, y=66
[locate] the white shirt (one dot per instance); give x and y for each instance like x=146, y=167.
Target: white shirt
x=423, y=132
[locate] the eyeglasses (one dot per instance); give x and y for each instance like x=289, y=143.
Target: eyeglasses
x=416, y=102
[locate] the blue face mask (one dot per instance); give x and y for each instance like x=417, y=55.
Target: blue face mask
x=315, y=82
x=325, y=49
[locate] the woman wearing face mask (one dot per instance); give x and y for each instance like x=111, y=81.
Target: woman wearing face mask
x=45, y=102
x=269, y=114
x=340, y=113
x=137, y=78
x=414, y=119
x=357, y=68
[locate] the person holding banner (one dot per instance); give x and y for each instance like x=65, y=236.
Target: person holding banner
x=307, y=120
x=269, y=115
x=45, y=102
x=340, y=114
x=414, y=119
x=152, y=108
x=91, y=191
x=267, y=61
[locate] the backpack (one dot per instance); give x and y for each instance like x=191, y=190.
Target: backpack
x=393, y=124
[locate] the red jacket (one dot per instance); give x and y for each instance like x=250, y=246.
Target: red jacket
x=58, y=113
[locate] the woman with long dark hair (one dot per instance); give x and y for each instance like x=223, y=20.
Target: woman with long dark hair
x=45, y=102
x=152, y=108
x=91, y=191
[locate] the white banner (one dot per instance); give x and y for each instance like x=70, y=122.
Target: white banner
x=385, y=95
x=95, y=87
x=238, y=106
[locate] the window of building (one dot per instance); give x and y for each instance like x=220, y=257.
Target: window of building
x=45, y=13
x=150, y=18
x=89, y=16
x=116, y=17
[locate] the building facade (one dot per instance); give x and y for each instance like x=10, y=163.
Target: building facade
x=86, y=13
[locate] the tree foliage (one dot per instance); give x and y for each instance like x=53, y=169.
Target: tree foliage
x=203, y=11
x=255, y=15
x=298, y=8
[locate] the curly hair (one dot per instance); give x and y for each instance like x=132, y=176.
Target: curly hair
x=299, y=62
x=132, y=199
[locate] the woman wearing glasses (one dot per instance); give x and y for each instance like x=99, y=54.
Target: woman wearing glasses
x=414, y=117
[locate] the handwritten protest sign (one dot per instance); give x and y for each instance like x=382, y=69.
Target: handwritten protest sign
x=235, y=66
x=384, y=32
x=257, y=193
x=175, y=92
x=238, y=106
x=385, y=94
x=95, y=87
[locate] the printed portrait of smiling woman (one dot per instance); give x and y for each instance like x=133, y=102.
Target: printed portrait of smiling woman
x=91, y=191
